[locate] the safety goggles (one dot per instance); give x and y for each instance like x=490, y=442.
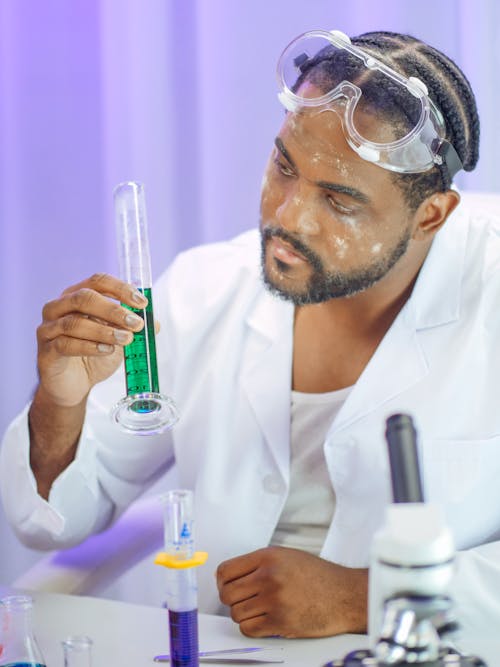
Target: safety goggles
x=387, y=118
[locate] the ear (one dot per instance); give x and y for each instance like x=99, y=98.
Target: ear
x=433, y=212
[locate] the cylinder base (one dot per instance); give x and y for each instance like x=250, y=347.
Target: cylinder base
x=146, y=413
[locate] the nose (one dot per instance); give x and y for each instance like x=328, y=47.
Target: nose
x=297, y=213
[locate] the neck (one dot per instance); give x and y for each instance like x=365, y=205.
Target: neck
x=333, y=341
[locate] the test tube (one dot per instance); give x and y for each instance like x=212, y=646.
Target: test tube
x=182, y=598
x=144, y=410
x=77, y=651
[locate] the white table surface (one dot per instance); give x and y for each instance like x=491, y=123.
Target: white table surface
x=129, y=635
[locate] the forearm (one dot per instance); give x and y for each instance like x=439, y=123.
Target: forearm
x=54, y=433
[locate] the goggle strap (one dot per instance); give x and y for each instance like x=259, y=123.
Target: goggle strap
x=445, y=150
x=301, y=61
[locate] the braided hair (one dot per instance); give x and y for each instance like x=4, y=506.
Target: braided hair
x=447, y=87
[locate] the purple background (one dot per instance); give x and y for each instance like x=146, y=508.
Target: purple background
x=179, y=94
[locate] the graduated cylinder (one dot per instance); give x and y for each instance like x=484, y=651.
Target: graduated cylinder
x=144, y=410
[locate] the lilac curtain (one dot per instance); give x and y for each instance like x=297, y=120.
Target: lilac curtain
x=179, y=94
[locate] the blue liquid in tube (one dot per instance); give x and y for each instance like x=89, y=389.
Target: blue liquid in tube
x=183, y=627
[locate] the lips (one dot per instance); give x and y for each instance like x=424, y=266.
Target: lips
x=284, y=252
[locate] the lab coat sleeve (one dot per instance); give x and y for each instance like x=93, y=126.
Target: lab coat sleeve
x=75, y=508
x=107, y=474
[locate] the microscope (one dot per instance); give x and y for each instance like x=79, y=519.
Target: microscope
x=410, y=615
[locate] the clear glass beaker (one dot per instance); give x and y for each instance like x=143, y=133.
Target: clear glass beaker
x=77, y=651
x=144, y=410
x=18, y=645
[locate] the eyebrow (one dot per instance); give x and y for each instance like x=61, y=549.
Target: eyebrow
x=334, y=187
x=281, y=147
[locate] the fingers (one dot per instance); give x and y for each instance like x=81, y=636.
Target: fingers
x=86, y=319
x=247, y=609
x=72, y=347
x=258, y=626
x=89, y=303
x=112, y=287
x=86, y=312
x=252, y=616
x=239, y=589
x=75, y=335
x=240, y=584
x=235, y=568
x=83, y=328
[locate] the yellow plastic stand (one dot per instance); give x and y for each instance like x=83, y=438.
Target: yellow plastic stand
x=167, y=560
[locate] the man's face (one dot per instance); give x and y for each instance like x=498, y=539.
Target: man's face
x=332, y=225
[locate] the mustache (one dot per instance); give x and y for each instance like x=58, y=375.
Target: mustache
x=270, y=232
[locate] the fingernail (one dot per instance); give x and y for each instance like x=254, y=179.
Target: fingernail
x=121, y=336
x=132, y=320
x=103, y=347
x=138, y=297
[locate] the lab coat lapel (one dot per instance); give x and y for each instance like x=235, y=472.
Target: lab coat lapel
x=266, y=373
x=397, y=364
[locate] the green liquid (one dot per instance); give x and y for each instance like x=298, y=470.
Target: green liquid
x=141, y=369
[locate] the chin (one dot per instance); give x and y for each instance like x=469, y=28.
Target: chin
x=280, y=285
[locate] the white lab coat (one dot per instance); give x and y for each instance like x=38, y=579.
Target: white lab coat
x=225, y=349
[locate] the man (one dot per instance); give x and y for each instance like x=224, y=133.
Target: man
x=389, y=300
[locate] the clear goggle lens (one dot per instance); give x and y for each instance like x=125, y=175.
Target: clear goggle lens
x=387, y=118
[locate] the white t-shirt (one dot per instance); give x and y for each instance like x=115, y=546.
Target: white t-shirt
x=310, y=504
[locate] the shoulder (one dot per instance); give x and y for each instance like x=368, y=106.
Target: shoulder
x=216, y=266
x=481, y=204
x=211, y=276
x=461, y=271
x=479, y=218
x=480, y=212
x=235, y=255
x=472, y=236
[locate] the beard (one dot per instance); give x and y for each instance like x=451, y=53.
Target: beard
x=324, y=285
